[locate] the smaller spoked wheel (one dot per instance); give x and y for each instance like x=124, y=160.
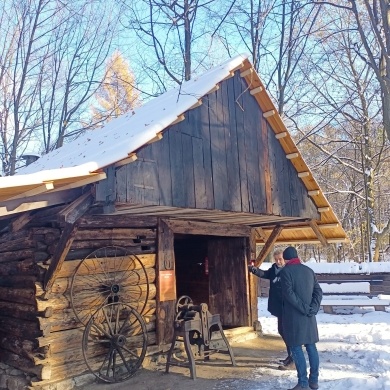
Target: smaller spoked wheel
x=114, y=342
x=184, y=300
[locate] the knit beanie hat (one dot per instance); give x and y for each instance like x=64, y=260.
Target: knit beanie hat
x=290, y=253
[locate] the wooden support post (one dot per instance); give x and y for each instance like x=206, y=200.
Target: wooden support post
x=70, y=215
x=76, y=209
x=253, y=282
x=260, y=234
x=21, y=221
x=317, y=232
x=268, y=245
x=166, y=284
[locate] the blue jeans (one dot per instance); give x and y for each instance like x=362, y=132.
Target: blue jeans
x=300, y=363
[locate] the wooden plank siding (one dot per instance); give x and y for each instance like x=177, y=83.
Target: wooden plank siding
x=227, y=273
x=239, y=90
x=222, y=156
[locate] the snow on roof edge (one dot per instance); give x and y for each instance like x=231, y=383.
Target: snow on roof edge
x=113, y=142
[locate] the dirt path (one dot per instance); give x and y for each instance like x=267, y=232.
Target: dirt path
x=252, y=357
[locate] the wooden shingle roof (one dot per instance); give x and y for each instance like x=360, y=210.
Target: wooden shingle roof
x=81, y=162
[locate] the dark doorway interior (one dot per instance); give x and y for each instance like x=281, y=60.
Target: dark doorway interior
x=192, y=273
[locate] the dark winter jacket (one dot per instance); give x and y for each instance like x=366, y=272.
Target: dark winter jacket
x=301, y=301
x=275, y=291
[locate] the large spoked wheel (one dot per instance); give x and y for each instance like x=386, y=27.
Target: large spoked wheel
x=114, y=342
x=108, y=275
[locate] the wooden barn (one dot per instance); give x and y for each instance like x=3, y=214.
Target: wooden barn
x=168, y=200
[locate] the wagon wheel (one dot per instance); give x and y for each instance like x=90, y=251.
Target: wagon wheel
x=109, y=274
x=114, y=342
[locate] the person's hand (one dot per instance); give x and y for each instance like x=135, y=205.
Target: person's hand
x=252, y=268
x=312, y=312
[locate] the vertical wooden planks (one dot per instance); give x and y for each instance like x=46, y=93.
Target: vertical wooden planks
x=149, y=177
x=252, y=131
x=218, y=150
x=227, y=276
x=121, y=184
x=134, y=184
x=264, y=154
x=176, y=167
x=239, y=87
x=295, y=200
x=278, y=175
x=200, y=178
x=233, y=169
x=204, y=119
x=161, y=154
x=188, y=171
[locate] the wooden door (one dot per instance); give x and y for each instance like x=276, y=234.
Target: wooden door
x=228, y=280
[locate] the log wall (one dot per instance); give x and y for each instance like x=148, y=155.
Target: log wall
x=39, y=332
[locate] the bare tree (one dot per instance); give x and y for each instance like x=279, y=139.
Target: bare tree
x=179, y=33
x=350, y=138
x=52, y=56
x=372, y=21
x=277, y=34
x=248, y=21
x=72, y=74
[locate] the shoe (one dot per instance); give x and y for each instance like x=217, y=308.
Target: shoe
x=289, y=366
x=286, y=361
x=298, y=387
x=313, y=386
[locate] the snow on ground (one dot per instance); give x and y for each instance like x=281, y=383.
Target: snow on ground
x=354, y=350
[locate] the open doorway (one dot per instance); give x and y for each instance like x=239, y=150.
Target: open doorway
x=213, y=270
x=192, y=268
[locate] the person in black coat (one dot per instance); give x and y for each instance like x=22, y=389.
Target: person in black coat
x=302, y=296
x=275, y=297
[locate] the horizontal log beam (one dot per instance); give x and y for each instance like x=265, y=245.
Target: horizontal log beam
x=22, y=267
x=207, y=228
x=23, y=311
x=131, y=244
x=114, y=233
x=62, y=285
x=22, y=328
x=25, y=365
x=117, y=221
x=69, y=266
x=75, y=254
x=59, y=340
x=28, y=349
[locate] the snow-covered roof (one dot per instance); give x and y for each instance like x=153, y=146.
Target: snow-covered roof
x=121, y=136
x=81, y=161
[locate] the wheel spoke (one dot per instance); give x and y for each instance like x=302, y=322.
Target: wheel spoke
x=129, y=351
x=107, y=320
x=102, y=330
x=117, y=320
x=105, y=359
x=124, y=360
x=125, y=321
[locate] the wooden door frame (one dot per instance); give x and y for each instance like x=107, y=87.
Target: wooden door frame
x=166, y=229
